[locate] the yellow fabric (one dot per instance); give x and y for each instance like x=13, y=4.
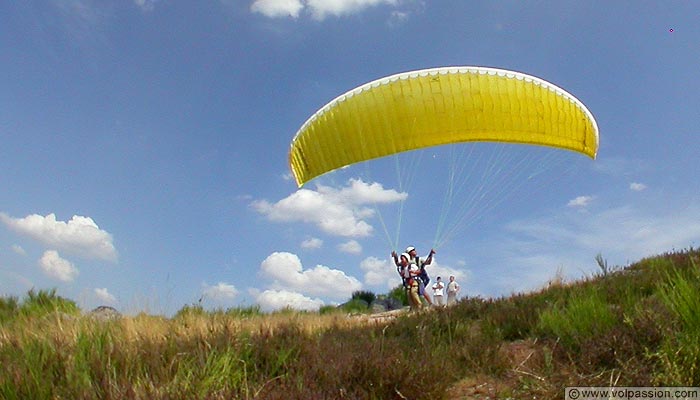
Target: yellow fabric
x=436, y=107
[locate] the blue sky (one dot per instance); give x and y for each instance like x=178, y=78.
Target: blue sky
x=143, y=146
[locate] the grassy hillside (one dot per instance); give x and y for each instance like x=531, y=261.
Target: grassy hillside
x=638, y=326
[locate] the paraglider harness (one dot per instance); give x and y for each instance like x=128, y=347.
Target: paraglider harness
x=423, y=276
x=400, y=269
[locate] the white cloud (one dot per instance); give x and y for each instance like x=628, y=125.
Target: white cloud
x=580, y=201
x=18, y=250
x=380, y=272
x=277, y=8
x=321, y=8
x=637, y=187
x=270, y=300
x=287, y=273
x=80, y=236
x=104, y=296
x=220, y=291
x=350, y=247
x=312, y=243
x=339, y=212
x=318, y=9
x=313, y=207
x=358, y=192
x=57, y=267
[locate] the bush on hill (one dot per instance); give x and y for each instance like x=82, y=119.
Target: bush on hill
x=634, y=326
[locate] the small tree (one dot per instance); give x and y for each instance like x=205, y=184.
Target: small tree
x=365, y=295
x=399, y=293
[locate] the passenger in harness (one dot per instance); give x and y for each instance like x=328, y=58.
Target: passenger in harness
x=409, y=275
x=420, y=263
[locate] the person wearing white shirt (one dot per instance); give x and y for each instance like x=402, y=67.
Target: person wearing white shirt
x=452, y=290
x=438, y=290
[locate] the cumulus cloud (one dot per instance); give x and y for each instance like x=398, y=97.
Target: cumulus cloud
x=287, y=273
x=271, y=300
x=313, y=207
x=359, y=192
x=80, y=236
x=350, y=247
x=57, y=267
x=318, y=9
x=104, y=296
x=380, y=272
x=312, y=243
x=637, y=187
x=221, y=291
x=580, y=202
x=339, y=212
x=277, y=8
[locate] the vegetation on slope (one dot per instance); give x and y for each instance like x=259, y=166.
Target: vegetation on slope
x=636, y=326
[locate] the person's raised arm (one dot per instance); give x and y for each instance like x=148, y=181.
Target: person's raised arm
x=429, y=260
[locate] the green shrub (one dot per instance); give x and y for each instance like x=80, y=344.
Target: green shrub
x=190, y=310
x=328, y=309
x=365, y=295
x=680, y=292
x=585, y=315
x=633, y=327
x=46, y=301
x=355, y=305
x=250, y=311
x=399, y=293
x=9, y=307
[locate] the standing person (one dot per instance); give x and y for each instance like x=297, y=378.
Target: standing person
x=423, y=279
x=409, y=275
x=452, y=289
x=438, y=290
x=401, y=265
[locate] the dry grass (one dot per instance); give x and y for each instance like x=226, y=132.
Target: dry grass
x=522, y=346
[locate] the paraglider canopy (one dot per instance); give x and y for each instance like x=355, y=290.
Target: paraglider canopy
x=440, y=106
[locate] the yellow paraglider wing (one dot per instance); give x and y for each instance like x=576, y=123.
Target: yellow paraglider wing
x=440, y=106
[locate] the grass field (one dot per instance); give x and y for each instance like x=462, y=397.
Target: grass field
x=637, y=326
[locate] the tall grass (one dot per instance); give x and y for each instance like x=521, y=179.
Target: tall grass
x=584, y=315
x=636, y=326
x=680, y=292
x=9, y=308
